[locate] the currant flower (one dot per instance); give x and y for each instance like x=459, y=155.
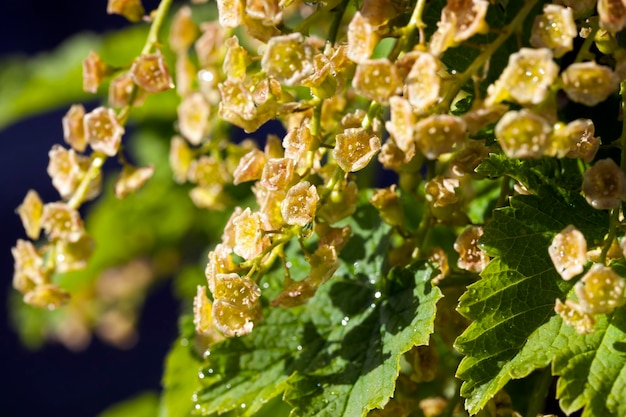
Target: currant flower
x=574, y=140
x=250, y=167
x=186, y=75
x=568, y=252
x=604, y=185
x=471, y=257
x=439, y=134
x=210, y=197
x=269, y=206
x=355, y=148
x=131, y=9
x=94, y=71
x=267, y=11
x=62, y=222
x=589, y=83
x=220, y=261
x=376, y=79
x=103, y=131
x=237, y=106
x=183, y=30
x=230, y=12
x=378, y=12
x=73, y=256
x=73, y=129
x=423, y=84
x=203, y=316
x=277, y=173
x=612, y=15
x=477, y=119
x=131, y=179
x=180, y=158
x=208, y=47
x=300, y=203
x=48, y=296
x=574, y=316
x=401, y=123
x=341, y=203
x=30, y=212
x=526, y=79
x=288, y=59
x=207, y=170
x=523, y=134
x=441, y=191
x=249, y=238
x=28, y=267
x=362, y=38
x=468, y=17
x=236, y=60
x=236, y=304
x=297, y=143
x=67, y=169
x=149, y=71
x=387, y=202
x=193, y=117
x=554, y=29
x=600, y=291
x=121, y=91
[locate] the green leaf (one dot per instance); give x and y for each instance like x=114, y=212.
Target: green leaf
x=54, y=79
x=592, y=368
x=143, y=405
x=563, y=175
x=358, y=360
x=339, y=354
x=180, y=376
x=518, y=289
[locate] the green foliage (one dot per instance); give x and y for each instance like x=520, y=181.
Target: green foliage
x=341, y=354
x=518, y=288
x=397, y=291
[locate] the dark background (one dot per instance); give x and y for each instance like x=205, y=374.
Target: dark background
x=54, y=381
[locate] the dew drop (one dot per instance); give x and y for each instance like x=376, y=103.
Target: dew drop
x=377, y=294
x=243, y=405
x=288, y=264
x=299, y=347
x=345, y=321
x=201, y=375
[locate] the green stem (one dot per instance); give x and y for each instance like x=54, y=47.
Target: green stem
x=92, y=173
x=583, y=53
x=98, y=157
x=537, y=400
x=336, y=23
x=486, y=54
x=416, y=20
x=155, y=28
